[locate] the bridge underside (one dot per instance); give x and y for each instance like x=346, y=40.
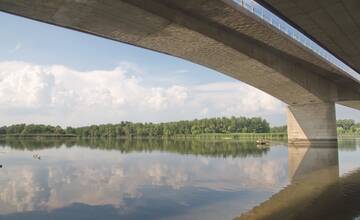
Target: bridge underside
x=333, y=24
x=219, y=35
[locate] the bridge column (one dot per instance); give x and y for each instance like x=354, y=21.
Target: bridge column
x=312, y=124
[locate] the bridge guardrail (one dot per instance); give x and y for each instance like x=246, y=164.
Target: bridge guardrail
x=270, y=18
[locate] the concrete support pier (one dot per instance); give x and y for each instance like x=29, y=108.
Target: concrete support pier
x=312, y=124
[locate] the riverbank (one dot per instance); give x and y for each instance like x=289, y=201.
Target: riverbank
x=270, y=136
x=221, y=136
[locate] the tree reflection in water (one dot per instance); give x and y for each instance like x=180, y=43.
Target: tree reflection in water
x=212, y=148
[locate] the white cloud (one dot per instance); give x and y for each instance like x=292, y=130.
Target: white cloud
x=236, y=98
x=24, y=85
x=59, y=95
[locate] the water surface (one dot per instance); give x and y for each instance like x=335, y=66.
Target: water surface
x=183, y=179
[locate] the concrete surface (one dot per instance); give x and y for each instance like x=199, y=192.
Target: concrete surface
x=335, y=24
x=315, y=190
x=314, y=123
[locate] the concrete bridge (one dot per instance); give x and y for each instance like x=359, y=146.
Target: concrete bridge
x=332, y=24
x=223, y=36
x=315, y=192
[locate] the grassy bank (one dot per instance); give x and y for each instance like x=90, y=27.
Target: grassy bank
x=247, y=136
x=351, y=135
x=234, y=136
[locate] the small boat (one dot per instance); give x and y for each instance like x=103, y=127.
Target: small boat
x=36, y=156
x=262, y=142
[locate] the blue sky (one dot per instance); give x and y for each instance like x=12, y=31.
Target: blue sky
x=53, y=75
x=47, y=44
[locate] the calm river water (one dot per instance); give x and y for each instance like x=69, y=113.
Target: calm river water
x=183, y=179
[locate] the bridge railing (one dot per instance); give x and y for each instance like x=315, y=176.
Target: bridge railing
x=270, y=18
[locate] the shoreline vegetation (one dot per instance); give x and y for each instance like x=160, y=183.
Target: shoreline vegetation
x=211, y=128
x=229, y=136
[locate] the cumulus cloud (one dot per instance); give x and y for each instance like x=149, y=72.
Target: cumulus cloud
x=60, y=95
x=234, y=98
x=24, y=85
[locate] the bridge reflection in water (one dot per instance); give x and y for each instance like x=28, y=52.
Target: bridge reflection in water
x=316, y=190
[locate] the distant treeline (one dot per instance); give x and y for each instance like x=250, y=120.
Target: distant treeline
x=347, y=126
x=233, y=125
x=344, y=127
x=128, y=129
